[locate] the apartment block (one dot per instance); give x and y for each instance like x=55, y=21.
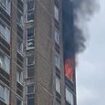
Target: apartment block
x=34, y=68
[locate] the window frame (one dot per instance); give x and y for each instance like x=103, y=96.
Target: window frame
x=20, y=45
x=20, y=18
x=30, y=44
x=57, y=60
x=30, y=12
x=58, y=84
x=5, y=31
x=5, y=94
x=19, y=76
x=56, y=12
x=69, y=97
x=7, y=70
x=18, y=99
x=6, y=6
x=57, y=36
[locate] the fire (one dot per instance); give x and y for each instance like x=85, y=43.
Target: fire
x=68, y=67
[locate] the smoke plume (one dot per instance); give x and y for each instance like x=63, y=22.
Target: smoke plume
x=83, y=11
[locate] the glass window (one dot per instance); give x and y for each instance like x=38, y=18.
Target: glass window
x=30, y=10
x=30, y=89
x=5, y=31
x=56, y=13
x=57, y=60
x=58, y=84
x=20, y=45
x=30, y=33
x=69, y=96
x=30, y=99
x=4, y=94
x=20, y=19
x=30, y=44
x=30, y=60
x=19, y=102
x=56, y=36
x=30, y=5
x=6, y=4
x=19, y=76
x=4, y=62
x=30, y=71
x=30, y=38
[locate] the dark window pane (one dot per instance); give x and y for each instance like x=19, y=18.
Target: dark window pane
x=30, y=71
x=30, y=89
x=30, y=99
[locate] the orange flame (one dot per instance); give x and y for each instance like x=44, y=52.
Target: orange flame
x=68, y=67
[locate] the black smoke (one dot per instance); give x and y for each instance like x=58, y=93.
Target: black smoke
x=75, y=15
x=83, y=10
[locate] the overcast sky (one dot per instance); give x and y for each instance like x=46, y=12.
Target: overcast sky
x=91, y=63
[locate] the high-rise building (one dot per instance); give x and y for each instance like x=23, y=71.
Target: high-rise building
x=11, y=52
x=37, y=62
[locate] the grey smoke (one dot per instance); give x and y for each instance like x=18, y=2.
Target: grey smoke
x=83, y=11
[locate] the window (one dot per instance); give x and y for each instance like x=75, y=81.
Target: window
x=19, y=102
x=30, y=65
x=4, y=94
x=30, y=10
x=57, y=37
x=4, y=62
x=5, y=32
x=30, y=38
x=30, y=60
x=58, y=84
x=30, y=71
x=20, y=45
x=30, y=89
x=69, y=96
x=30, y=99
x=30, y=94
x=56, y=13
x=19, y=76
x=6, y=4
x=30, y=33
x=19, y=18
x=57, y=60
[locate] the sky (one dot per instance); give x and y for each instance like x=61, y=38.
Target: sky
x=91, y=63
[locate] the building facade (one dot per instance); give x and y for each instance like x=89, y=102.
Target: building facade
x=34, y=68
x=11, y=52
